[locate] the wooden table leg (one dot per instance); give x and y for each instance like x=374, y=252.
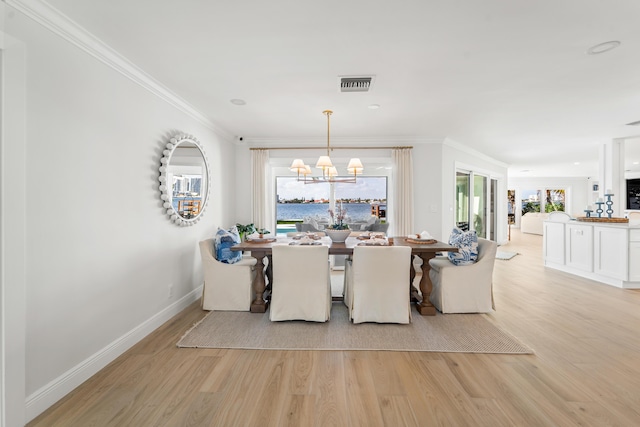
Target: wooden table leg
x=269, y=274
x=425, y=307
x=413, y=292
x=259, y=305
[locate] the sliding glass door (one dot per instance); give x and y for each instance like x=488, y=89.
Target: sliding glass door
x=475, y=196
x=463, y=190
x=480, y=205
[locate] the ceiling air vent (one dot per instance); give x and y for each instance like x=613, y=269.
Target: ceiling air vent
x=355, y=83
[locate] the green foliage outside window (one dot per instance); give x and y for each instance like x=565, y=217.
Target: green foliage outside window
x=554, y=207
x=530, y=207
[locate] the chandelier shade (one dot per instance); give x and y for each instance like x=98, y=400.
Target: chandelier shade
x=329, y=172
x=324, y=162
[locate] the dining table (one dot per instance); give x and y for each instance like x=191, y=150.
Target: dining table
x=261, y=249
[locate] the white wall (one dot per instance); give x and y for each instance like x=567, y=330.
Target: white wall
x=428, y=210
x=578, y=191
x=100, y=252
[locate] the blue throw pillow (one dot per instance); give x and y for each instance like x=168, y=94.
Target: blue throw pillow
x=223, y=242
x=467, y=244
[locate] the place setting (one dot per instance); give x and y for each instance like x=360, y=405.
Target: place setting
x=306, y=236
x=375, y=239
x=261, y=236
x=305, y=241
x=423, y=238
x=370, y=235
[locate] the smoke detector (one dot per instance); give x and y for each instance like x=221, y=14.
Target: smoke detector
x=355, y=83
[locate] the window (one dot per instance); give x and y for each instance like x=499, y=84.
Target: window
x=296, y=200
x=554, y=201
x=530, y=201
x=511, y=206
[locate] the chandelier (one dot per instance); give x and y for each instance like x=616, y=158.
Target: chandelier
x=329, y=172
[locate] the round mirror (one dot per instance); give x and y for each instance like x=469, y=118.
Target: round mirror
x=184, y=180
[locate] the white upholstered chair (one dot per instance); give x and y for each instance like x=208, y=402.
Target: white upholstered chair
x=376, y=287
x=301, y=288
x=464, y=288
x=226, y=286
x=634, y=217
x=558, y=216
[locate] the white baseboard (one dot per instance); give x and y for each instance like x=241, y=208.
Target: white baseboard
x=43, y=398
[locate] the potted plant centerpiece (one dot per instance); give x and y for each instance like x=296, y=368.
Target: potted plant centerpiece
x=338, y=230
x=245, y=230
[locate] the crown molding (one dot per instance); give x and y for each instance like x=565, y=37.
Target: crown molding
x=465, y=148
x=337, y=141
x=54, y=20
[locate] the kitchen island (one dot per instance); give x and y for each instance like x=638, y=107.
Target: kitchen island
x=601, y=251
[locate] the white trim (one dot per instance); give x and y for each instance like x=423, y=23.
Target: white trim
x=618, y=283
x=54, y=20
x=336, y=142
x=12, y=231
x=3, y=366
x=50, y=393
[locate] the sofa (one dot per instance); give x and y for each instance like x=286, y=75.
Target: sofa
x=532, y=222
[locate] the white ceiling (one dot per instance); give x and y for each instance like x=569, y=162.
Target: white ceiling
x=509, y=78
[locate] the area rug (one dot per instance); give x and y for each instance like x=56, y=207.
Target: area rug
x=505, y=255
x=460, y=333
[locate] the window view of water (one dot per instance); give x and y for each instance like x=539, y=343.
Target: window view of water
x=299, y=211
x=297, y=200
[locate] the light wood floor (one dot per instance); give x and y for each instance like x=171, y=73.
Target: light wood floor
x=585, y=371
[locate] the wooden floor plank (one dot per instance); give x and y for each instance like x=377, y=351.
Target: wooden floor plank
x=330, y=390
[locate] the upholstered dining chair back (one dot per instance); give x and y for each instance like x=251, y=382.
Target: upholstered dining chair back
x=464, y=288
x=301, y=288
x=558, y=216
x=377, y=284
x=226, y=286
x=634, y=217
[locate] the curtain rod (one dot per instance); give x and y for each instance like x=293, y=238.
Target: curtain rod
x=332, y=148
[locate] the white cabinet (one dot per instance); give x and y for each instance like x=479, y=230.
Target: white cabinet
x=610, y=252
x=579, y=246
x=553, y=242
x=634, y=255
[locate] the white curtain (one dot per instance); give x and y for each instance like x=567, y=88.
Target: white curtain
x=262, y=208
x=402, y=191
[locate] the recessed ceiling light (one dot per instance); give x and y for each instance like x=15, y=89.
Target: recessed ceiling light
x=636, y=163
x=238, y=101
x=576, y=163
x=603, y=47
x=374, y=106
